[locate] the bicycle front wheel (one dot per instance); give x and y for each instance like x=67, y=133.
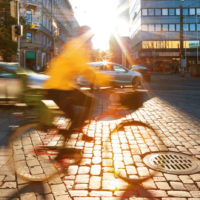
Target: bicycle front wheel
x=27, y=163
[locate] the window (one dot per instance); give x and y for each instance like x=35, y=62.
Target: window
x=164, y=11
x=198, y=27
x=28, y=17
x=29, y=37
x=165, y=27
x=185, y=27
x=144, y=12
x=185, y=11
x=198, y=11
x=151, y=11
x=118, y=68
x=158, y=27
x=177, y=27
x=171, y=11
x=157, y=11
x=171, y=27
x=144, y=27
x=192, y=11
x=151, y=27
x=192, y=27
x=178, y=11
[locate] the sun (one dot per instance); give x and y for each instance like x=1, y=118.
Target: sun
x=102, y=17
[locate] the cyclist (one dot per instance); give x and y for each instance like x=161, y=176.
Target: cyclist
x=61, y=86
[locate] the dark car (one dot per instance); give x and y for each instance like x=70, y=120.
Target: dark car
x=13, y=78
x=146, y=73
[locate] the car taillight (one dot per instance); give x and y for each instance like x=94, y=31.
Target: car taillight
x=148, y=72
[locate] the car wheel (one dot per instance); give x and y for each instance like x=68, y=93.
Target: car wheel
x=136, y=83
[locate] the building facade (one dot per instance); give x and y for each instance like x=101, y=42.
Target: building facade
x=49, y=24
x=164, y=32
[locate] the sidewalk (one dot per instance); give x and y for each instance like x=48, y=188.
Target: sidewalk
x=93, y=178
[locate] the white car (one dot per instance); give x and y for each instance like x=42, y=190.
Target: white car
x=121, y=75
x=11, y=81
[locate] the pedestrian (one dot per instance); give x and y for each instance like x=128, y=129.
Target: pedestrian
x=61, y=86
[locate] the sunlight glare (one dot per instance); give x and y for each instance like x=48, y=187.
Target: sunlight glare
x=101, y=17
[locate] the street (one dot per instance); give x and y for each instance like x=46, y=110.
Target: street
x=172, y=109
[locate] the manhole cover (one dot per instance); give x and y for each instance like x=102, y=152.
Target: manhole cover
x=172, y=162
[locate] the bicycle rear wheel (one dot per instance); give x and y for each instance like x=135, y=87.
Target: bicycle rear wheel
x=27, y=163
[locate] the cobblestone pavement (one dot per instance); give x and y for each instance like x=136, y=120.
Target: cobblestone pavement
x=93, y=178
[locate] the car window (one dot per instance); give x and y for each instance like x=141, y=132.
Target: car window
x=5, y=74
x=118, y=68
x=106, y=67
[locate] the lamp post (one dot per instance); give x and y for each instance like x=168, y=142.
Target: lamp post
x=182, y=56
x=18, y=37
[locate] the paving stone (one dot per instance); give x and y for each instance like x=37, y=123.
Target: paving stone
x=58, y=189
x=28, y=196
x=186, y=179
x=100, y=193
x=78, y=193
x=82, y=179
x=86, y=198
x=177, y=185
x=7, y=192
x=179, y=193
x=195, y=194
x=62, y=197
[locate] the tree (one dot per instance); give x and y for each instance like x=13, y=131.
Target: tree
x=8, y=48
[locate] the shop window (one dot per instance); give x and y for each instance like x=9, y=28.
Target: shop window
x=165, y=27
x=192, y=11
x=171, y=27
x=158, y=27
x=151, y=11
x=192, y=27
x=171, y=11
x=29, y=37
x=185, y=11
x=144, y=12
x=178, y=12
x=157, y=11
x=185, y=27
x=164, y=11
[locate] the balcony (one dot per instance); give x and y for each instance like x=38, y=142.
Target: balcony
x=31, y=4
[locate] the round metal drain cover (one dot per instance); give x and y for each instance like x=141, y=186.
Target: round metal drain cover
x=172, y=162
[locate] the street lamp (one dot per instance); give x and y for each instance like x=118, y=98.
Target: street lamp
x=182, y=56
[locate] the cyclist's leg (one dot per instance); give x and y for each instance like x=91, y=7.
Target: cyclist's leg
x=86, y=102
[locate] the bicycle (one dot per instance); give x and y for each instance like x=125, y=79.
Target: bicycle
x=34, y=134
x=47, y=155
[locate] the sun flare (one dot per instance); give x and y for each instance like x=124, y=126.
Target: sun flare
x=102, y=18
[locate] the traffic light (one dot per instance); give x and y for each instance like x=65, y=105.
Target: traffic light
x=17, y=31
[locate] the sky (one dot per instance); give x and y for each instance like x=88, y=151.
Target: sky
x=102, y=16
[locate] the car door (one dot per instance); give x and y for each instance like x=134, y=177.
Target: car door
x=122, y=75
x=107, y=68
x=10, y=85
x=2, y=85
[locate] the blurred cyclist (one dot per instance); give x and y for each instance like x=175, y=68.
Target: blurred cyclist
x=61, y=86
